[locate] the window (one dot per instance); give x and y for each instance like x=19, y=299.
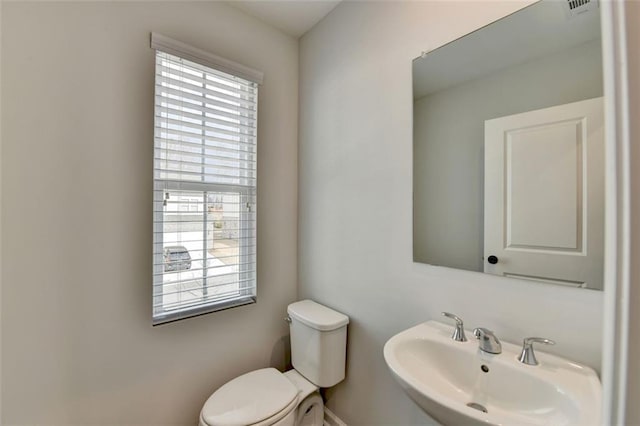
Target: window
x=204, y=185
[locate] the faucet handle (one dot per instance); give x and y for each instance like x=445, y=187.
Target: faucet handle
x=528, y=356
x=458, y=334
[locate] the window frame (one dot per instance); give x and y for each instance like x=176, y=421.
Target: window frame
x=247, y=265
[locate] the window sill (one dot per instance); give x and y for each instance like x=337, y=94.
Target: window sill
x=168, y=317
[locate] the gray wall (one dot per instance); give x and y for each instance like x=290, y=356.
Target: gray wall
x=77, y=135
x=355, y=207
x=448, y=146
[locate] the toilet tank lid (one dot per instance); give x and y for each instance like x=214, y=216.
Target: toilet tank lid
x=317, y=316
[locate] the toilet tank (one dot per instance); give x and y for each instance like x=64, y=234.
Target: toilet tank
x=318, y=342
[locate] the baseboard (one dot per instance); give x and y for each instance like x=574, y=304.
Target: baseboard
x=330, y=419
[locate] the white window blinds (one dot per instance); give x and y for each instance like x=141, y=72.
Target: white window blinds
x=204, y=202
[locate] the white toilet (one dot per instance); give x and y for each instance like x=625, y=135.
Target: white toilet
x=267, y=397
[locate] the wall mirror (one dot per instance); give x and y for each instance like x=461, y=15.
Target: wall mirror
x=508, y=148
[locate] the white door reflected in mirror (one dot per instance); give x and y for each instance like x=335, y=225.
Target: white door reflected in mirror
x=544, y=195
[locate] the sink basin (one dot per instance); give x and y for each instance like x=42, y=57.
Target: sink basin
x=456, y=383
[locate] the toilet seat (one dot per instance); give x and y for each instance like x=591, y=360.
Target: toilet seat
x=260, y=397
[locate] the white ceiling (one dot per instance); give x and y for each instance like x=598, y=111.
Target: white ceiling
x=294, y=17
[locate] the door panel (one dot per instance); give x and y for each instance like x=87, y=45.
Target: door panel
x=544, y=194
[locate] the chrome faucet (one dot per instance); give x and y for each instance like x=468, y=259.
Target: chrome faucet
x=527, y=356
x=488, y=341
x=458, y=333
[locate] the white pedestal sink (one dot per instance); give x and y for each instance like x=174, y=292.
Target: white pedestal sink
x=445, y=377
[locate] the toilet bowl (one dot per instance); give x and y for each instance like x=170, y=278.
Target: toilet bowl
x=310, y=412
x=267, y=397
